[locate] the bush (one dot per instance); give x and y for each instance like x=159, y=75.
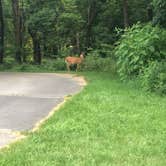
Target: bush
x=139, y=46
x=48, y=65
x=54, y=64
x=102, y=51
x=94, y=63
x=154, y=77
x=159, y=12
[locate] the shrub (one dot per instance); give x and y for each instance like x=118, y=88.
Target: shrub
x=94, y=63
x=139, y=46
x=154, y=77
x=102, y=51
x=48, y=65
x=159, y=12
x=54, y=64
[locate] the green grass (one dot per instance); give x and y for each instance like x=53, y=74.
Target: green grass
x=108, y=123
x=47, y=65
x=56, y=65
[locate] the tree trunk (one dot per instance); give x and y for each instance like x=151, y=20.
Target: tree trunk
x=17, y=29
x=55, y=50
x=149, y=13
x=1, y=33
x=88, y=32
x=36, y=51
x=78, y=43
x=45, y=50
x=36, y=47
x=125, y=13
x=91, y=16
x=44, y=46
x=22, y=31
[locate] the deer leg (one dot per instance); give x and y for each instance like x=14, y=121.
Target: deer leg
x=68, y=67
x=78, y=66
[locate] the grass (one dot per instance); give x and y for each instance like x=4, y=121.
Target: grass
x=47, y=65
x=56, y=65
x=108, y=123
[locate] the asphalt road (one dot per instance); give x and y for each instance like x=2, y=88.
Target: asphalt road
x=26, y=98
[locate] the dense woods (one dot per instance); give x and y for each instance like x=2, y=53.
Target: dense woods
x=48, y=28
x=1, y=33
x=126, y=31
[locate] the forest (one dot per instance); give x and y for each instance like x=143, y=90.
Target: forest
x=127, y=37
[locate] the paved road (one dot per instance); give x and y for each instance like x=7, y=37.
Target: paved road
x=26, y=98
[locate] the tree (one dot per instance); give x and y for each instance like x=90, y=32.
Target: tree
x=17, y=30
x=42, y=27
x=47, y=28
x=125, y=13
x=36, y=47
x=70, y=27
x=1, y=33
x=159, y=12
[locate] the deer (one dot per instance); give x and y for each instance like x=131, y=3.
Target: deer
x=71, y=60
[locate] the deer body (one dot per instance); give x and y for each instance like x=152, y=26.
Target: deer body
x=70, y=60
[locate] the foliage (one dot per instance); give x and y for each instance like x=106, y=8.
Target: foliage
x=100, y=59
x=93, y=63
x=154, y=77
x=59, y=24
x=102, y=51
x=48, y=65
x=54, y=65
x=139, y=46
x=65, y=51
x=69, y=24
x=160, y=12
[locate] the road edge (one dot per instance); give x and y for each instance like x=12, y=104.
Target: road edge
x=19, y=136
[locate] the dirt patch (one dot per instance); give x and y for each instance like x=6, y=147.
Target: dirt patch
x=80, y=79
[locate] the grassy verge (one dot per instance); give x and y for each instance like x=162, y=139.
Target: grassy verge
x=54, y=65
x=108, y=123
x=47, y=65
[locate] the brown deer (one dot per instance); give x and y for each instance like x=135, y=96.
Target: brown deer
x=70, y=60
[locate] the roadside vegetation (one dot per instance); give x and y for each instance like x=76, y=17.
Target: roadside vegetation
x=108, y=123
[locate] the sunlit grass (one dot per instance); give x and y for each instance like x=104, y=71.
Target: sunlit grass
x=108, y=123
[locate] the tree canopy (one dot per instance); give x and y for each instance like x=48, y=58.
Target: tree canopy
x=47, y=28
